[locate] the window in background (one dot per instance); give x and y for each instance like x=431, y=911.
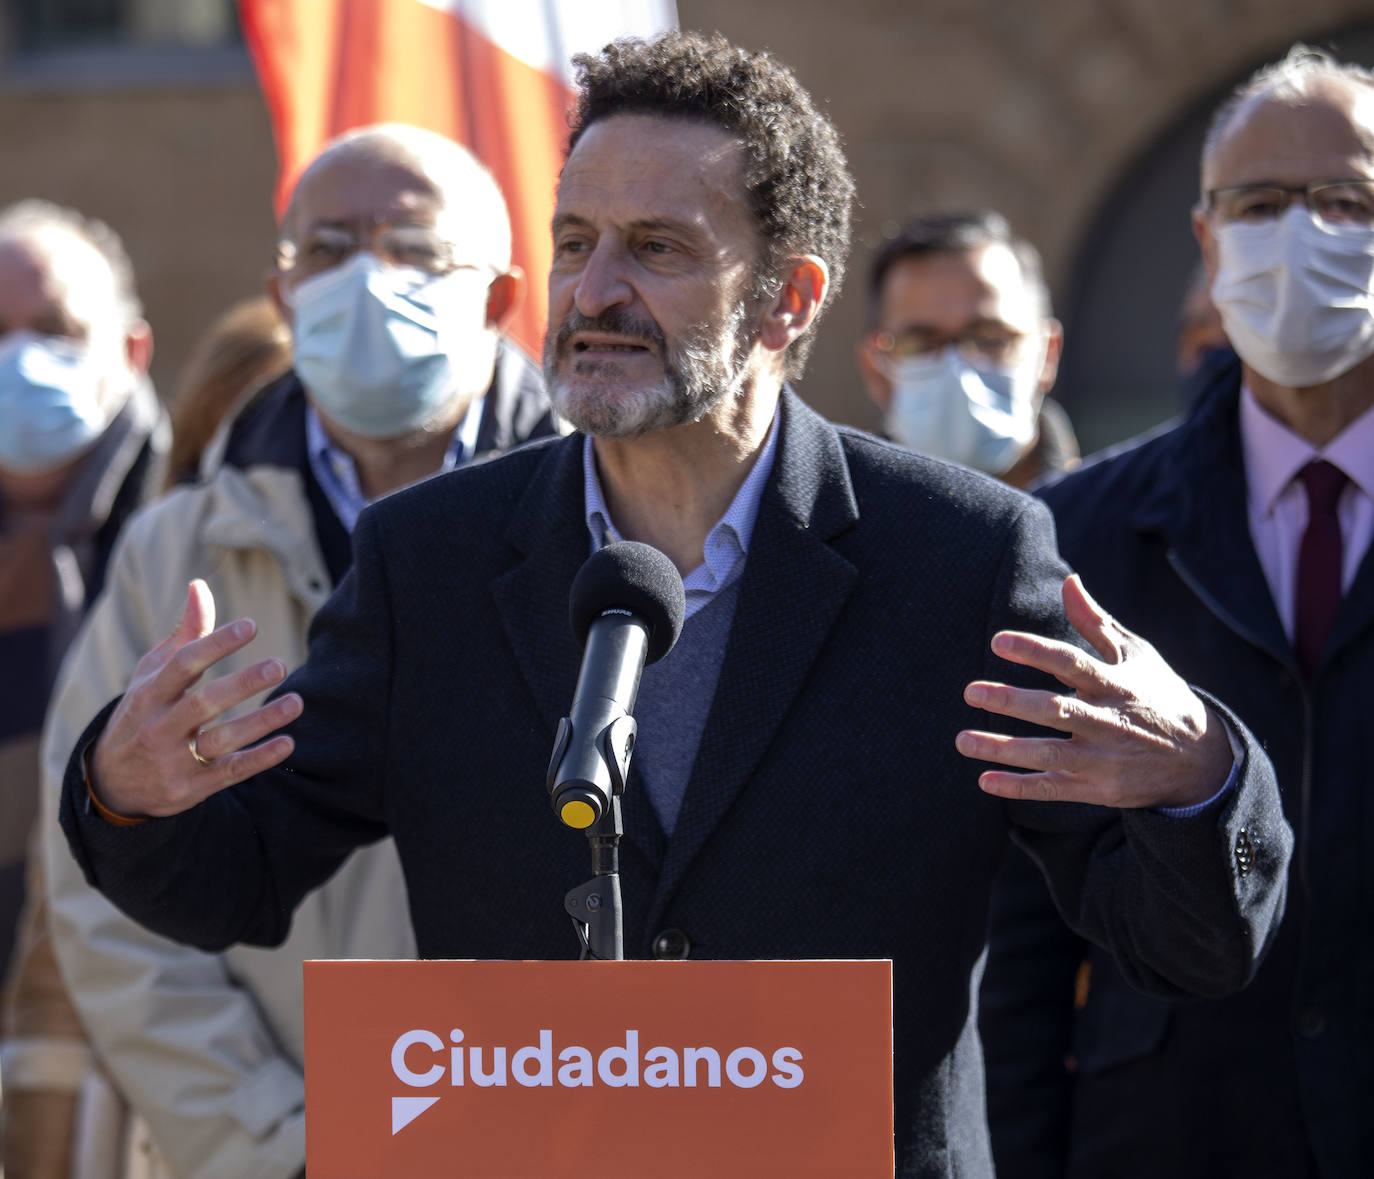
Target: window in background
x=75, y=24
x=69, y=45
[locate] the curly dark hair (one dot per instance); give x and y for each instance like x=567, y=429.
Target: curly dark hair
x=796, y=174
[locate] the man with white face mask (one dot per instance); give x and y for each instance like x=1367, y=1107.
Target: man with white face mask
x=1239, y=542
x=81, y=436
x=962, y=347
x=394, y=274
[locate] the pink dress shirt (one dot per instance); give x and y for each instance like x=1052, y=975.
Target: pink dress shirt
x=1277, y=502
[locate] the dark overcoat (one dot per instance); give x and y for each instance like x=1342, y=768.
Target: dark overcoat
x=1278, y=1079
x=827, y=814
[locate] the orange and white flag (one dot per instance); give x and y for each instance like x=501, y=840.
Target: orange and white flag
x=492, y=74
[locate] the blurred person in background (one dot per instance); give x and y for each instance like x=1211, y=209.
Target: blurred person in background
x=244, y=350
x=1239, y=542
x=81, y=440
x=1200, y=330
x=393, y=272
x=963, y=347
x=246, y=347
x=1204, y=352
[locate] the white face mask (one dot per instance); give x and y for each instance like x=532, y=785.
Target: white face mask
x=378, y=347
x=944, y=406
x=50, y=407
x=1295, y=297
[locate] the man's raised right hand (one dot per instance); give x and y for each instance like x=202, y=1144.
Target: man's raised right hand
x=161, y=752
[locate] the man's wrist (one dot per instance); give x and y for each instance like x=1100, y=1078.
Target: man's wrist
x=112, y=817
x=1187, y=808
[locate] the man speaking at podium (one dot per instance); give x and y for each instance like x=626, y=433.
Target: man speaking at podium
x=804, y=787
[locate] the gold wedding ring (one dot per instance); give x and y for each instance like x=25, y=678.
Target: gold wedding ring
x=200, y=761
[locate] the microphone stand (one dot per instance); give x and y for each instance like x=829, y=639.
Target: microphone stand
x=596, y=907
x=623, y=594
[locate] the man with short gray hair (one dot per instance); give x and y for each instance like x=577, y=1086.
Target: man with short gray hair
x=1239, y=541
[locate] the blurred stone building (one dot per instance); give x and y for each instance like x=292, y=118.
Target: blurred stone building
x=1080, y=119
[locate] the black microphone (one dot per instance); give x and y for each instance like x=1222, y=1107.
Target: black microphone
x=626, y=608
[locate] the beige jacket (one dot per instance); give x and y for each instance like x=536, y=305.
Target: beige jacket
x=207, y=1048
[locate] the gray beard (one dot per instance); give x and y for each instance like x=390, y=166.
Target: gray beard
x=695, y=379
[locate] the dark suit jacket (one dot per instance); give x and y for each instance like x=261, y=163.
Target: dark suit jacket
x=1282, y=1073
x=827, y=813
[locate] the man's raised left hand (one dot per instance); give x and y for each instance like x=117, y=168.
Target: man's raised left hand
x=1136, y=735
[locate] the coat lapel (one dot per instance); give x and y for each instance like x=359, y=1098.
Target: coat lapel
x=1199, y=508
x=549, y=532
x=1356, y=613
x=793, y=588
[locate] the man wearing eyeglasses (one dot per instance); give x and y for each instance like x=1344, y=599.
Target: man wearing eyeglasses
x=963, y=348
x=1239, y=542
x=393, y=269
x=396, y=283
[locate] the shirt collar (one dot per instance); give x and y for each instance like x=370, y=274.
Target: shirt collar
x=1353, y=451
x=727, y=543
x=1274, y=454
x=337, y=473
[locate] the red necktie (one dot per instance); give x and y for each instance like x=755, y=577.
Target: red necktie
x=1319, y=563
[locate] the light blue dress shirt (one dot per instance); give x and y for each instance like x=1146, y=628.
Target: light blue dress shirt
x=727, y=543
x=337, y=473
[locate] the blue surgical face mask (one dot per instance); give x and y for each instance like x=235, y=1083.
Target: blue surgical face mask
x=376, y=345
x=979, y=416
x=50, y=408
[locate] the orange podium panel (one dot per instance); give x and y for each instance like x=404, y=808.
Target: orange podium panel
x=566, y=1070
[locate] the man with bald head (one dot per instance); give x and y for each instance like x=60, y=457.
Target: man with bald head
x=81, y=437
x=1239, y=542
x=393, y=271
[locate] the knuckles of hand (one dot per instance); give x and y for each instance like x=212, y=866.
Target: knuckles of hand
x=1082, y=664
x=1053, y=755
x=1114, y=794
x=183, y=665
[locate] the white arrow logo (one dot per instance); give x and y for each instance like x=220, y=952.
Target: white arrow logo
x=405, y=1110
